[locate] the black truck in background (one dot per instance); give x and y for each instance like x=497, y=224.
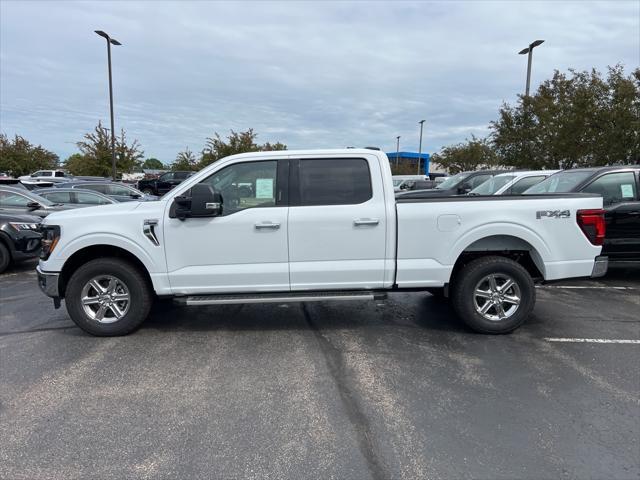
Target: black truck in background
x=161, y=185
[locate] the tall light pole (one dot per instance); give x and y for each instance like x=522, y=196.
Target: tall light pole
x=397, y=149
x=529, y=50
x=111, y=41
x=421, y=122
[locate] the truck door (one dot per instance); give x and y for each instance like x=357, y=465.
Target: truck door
x=337, y=224
x=243, y=250
x=622, y=213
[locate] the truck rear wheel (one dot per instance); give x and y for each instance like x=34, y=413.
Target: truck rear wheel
x=108, y=297
x=493, y=294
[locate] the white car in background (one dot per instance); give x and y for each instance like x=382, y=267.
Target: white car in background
x=402, y=182
x=511, y=183
x=46, y=175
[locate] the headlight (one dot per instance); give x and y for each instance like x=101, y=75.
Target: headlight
x=24, y=226
x=50, y=237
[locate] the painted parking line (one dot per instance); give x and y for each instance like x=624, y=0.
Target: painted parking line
x=587, y=287
x=591, y=340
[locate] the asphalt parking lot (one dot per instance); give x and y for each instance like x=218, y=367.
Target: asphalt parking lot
x=398, y=389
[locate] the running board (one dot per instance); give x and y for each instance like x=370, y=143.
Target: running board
x=286, y=297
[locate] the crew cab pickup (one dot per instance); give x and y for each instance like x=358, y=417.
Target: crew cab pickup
x=298, y=226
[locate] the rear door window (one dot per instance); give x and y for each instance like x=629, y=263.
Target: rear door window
x=478, y=180
x=57, y=197
x=334, y=181
x=86, y=198
x=118, y=190
x=614, y=187
x=95, y=188
x=523, y=184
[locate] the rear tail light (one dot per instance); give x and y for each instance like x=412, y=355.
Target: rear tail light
x=592, y=224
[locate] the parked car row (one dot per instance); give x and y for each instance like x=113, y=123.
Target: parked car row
x=618, y=186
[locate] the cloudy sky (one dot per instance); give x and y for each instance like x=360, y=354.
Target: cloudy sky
x=309, y=74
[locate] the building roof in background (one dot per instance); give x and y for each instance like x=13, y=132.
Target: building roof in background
x=412, y=155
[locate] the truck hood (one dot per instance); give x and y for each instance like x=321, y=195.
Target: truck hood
x=92, y=212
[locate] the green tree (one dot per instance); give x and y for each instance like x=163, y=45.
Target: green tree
x=473, y=154
x=237, y=142
x=74, y=162
x=153, y=163
x=574, y=120
x=19, y=157
x=185, y=160
x=96, y=152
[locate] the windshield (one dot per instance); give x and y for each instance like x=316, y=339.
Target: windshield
x=492, y=185
x=453, y=181
x=562, y=182
x=15, y=199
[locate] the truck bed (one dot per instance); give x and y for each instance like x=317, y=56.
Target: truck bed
x=528, y=223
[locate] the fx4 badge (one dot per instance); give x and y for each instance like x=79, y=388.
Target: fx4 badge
x=553, y=214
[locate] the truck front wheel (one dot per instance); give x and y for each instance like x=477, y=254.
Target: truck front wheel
x=493, y=294
x=108, y=297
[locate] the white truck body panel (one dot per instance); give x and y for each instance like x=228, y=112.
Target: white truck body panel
x=323, y=247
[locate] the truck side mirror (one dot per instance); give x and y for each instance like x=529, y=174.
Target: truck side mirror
x=204, y=201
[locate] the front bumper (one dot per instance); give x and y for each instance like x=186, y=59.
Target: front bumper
x=48, y=282
x=600, y=267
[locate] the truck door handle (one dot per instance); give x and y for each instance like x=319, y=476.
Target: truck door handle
x=267, y=225
x=365, y=221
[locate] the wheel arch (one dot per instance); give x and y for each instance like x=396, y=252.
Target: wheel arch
x=92, y=252
x=511, y=246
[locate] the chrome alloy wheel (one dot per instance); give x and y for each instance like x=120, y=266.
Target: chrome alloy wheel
x=105, y=299
x=496, y=297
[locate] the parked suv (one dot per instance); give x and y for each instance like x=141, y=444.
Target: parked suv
x=619, y=187
x=161, y=185
x=19, y=238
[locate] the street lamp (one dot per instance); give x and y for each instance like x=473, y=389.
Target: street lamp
x=397, y=149
x=529, y=50
x=111, y=41
x=421, y=122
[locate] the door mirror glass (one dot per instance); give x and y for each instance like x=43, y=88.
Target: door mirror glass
x=203, y=202
x=33, y=205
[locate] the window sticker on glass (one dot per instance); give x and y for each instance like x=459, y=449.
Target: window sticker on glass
x=264, y=188
x=627, y=190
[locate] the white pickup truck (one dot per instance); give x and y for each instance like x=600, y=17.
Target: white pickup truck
x=299, y=226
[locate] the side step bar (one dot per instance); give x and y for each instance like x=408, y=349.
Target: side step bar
x=285, y=297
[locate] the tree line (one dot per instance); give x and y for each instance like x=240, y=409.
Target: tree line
x=574, y=119
x=19, y=157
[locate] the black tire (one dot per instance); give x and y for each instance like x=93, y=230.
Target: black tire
x=139, y=291
x=5, y=257
x=464, y=299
